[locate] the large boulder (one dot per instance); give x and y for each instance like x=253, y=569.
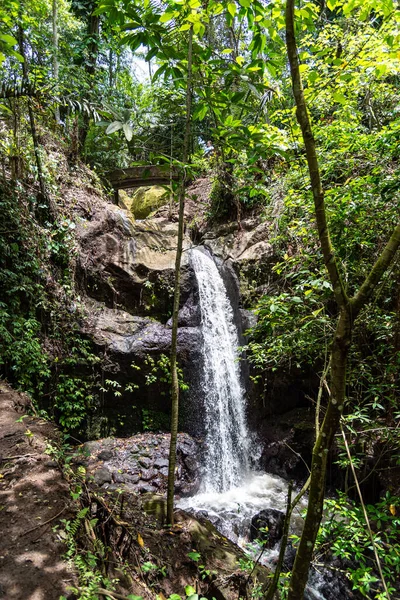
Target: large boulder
x=129, y=338
x=250, y=243
x=130, y=264
x=267, y=525
x=144, y=200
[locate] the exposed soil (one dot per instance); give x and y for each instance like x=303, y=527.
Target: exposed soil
x=33, y=498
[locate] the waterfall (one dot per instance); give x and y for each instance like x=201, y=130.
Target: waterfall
x=227, y=437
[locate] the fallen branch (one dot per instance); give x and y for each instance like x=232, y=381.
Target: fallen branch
x=6, y=458
x=112, y=594
x=44, y=523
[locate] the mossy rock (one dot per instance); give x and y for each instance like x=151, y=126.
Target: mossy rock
x=155, y=506
x=145, y=200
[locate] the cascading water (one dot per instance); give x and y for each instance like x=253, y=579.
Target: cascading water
x=230, y=494
x=227, y=436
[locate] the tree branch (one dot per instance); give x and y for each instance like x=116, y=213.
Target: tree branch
x=380, y=266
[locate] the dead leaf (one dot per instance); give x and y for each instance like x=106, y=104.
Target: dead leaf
x=140, y=540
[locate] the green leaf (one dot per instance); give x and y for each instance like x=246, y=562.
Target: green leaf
x=113, y=127
x=232, y=8
x=167, y=16
x=17, y=55
x=189, y=590
x=8, y=39
x=128, y=131
x=339, y=97
x=201, y=112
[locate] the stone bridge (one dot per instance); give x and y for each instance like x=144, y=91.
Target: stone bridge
x=143, y=175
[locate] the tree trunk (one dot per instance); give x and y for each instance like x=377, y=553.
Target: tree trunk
x=55, y=54
x=93, y=35
x=174, y=372
x=36, y=147
x=110, y=68
x=324, y=441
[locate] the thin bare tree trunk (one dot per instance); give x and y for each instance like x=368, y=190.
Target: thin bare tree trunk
x=174, y=371
x=36, y=145
x=110, y=68
x=93, y=33
x=55, y=54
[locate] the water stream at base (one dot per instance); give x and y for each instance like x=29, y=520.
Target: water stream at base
x=230, y=493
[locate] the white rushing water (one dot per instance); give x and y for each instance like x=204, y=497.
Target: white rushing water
x=227, y=437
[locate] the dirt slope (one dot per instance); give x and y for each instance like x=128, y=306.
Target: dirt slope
x=32, y=494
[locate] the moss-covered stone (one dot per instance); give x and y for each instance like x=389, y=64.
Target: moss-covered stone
x=145, y=200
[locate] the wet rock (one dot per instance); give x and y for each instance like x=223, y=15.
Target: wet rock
x=189, y=315
x=89, y=447
x=102, y=476
x=145, y=462
x=288, y=443
x=147, y=474
x=145, y=488
x=111, y=487
x=330, y=583
x=159, y=463
x=135, y=478
x=105, y=455
x=288, y=559
x=145, y=453
x=118, y=477
x=191, y=463
x=134, y=470
x=270, y=519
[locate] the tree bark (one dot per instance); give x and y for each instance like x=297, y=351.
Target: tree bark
x=36, y=146
x=324, y=441
x=55, y=53
x=349, y=309
x=93, y=36
x=174, y=371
